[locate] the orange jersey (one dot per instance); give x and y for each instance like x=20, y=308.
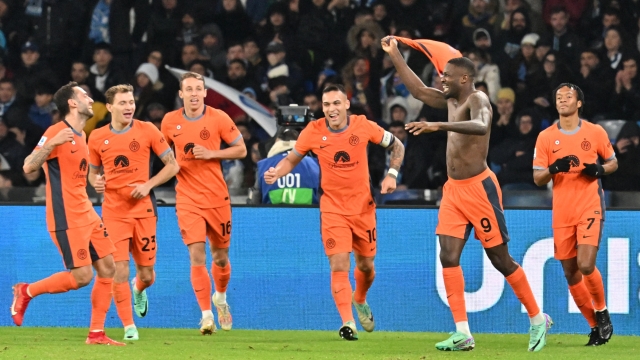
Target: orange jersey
x=125, y=157
x=200, y=182
x=573, y=192
x=344, y=170
x=68, y=206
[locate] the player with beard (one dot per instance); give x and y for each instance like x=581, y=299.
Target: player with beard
x=73, y=224
x=471, y=197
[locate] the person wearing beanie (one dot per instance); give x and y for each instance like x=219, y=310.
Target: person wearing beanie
x=146, y=89
x=503, y=124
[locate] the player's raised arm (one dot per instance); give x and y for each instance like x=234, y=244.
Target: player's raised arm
x=428, y=95
x=34, y=161
x=283, y=168
x=479, y=124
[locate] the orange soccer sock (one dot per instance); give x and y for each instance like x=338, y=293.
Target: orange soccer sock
x=122, y=297
x=140, y=285
x=520, y=285
x=341, y=290
x=454, y=285
x=582, y=298
x=54, y=284
x=201, y=286
x=221, y=276
x=363, y=283
x=595, y=286
x=100, y=302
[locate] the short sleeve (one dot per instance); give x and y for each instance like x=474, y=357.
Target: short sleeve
x=159, y=144
x=304, y=144
x=375, y=132
x=605, y=149
x=540, y=154
x=164, y=129
x=227, y=129
x=47, y=136
x=95, y=161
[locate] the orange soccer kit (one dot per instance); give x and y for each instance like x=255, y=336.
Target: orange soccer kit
x=203, y=206
x=72, y=222
x=125, y=157
x=578, y=200
x=347, y=207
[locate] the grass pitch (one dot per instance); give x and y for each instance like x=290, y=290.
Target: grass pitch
x=156, y=344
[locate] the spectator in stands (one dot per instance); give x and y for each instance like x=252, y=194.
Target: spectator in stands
x=564, y=40
x=503, y=124
x=40, y=112
x=411, y=14
x=103, y=73
x=614, y=46
x=522, y=68
x=552, y=73
x=277, y=57
x=543, y=46
x=362, y=88
x=596, y=79
x=12, y=109
x=278, y=28
x=11, y=150
x=201, y=67
x=234, y=22
x=486, y=71
x=170, y=82
x=597, y=31
x=80, y=74
x=480, y=15
x=13, y=24
x=509, y=39
x=505, y=18
x=381, y=15
x=146, y=89
x=99, y=28
x=212, y=47
x=164, y=26
x=315, y=105
x=189, y=54
x=626, y=98
x=5, y=72
x=32, y=72
x=627, y=147
x=256, y=62
x=364, y=41
x=189, y=33
x=237, y=75
x=573, y=10
x=514, y=155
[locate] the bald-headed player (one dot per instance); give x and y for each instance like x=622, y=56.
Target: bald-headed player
x=568, y=153
x=471, y=197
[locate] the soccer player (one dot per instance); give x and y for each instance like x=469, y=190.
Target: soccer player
x=568, y=153
x=72, y=222
x=119, y=158
x=203, y=206
x=471, y=198
x=347, y=207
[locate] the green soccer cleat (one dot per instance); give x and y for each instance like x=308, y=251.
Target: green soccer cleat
x=348, y=331
x=457, y=342
x=131, y=334
x=538, y=334
x=140, y=301
x=364, y=315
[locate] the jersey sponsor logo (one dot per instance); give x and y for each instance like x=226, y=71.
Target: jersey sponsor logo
x=122, y=162
x=342, y=160
x=189, y=148
x=83, y=164
x=586, y=145
x=82, y=254
x=354, y=140
x=42, y=141
x=331, y=243
x=204, y=134
x=134, y=146
x=574, y=160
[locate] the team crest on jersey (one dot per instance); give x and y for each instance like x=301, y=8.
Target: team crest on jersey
x=204, y=134
x=354, y=140
x=134, y=146
x=188, y=148
x=586, y=145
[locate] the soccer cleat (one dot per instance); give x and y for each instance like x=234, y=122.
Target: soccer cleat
x=140, y=300
x=100, y=338
x=605, y=328
x=131, y=334
x=594, y=338
x=207, y=326
x=224, y=314
x=20, y=302
x=457, y=342
x=364, y=315
x=538, y=334
x=348, y=331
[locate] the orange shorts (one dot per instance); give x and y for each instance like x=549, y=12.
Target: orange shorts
x=566, y=239
x=137, y=236
x=346, y=233
x=82, y=246
x=196, y=225
x=473, y=203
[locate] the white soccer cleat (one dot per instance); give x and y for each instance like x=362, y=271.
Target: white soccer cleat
x=224, y=314
x=207, y=326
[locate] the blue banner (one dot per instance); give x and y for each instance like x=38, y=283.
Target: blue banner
x=280, y=276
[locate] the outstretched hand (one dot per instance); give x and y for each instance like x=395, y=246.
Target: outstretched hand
x=389, y=43
x=421, y=127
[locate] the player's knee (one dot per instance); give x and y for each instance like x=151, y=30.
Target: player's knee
x=365, y=266
x=586, y=267
x=449, y=259
x=83, y=276
x=221, y=262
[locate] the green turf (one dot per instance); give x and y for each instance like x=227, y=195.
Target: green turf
x=156, y=344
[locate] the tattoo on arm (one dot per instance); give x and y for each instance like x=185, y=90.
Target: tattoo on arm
x=397, y=155
x=169, y=158
x=38, y=157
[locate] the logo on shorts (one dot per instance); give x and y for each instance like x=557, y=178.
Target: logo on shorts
x=82, y=254
x=574, y=160
x=204, y=134
x=83, y=165
x=134, y=146
x=121, y=161
x=188, y=148
x=331, y=243
x=586, y=145
x=354, y=140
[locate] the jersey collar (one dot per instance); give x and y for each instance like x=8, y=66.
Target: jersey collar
x=123, y=130
x=572, y=131
x=184, y=114
x=71, y=127
x=339, y=130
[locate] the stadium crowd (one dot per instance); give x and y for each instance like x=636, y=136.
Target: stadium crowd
x=283, y=52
